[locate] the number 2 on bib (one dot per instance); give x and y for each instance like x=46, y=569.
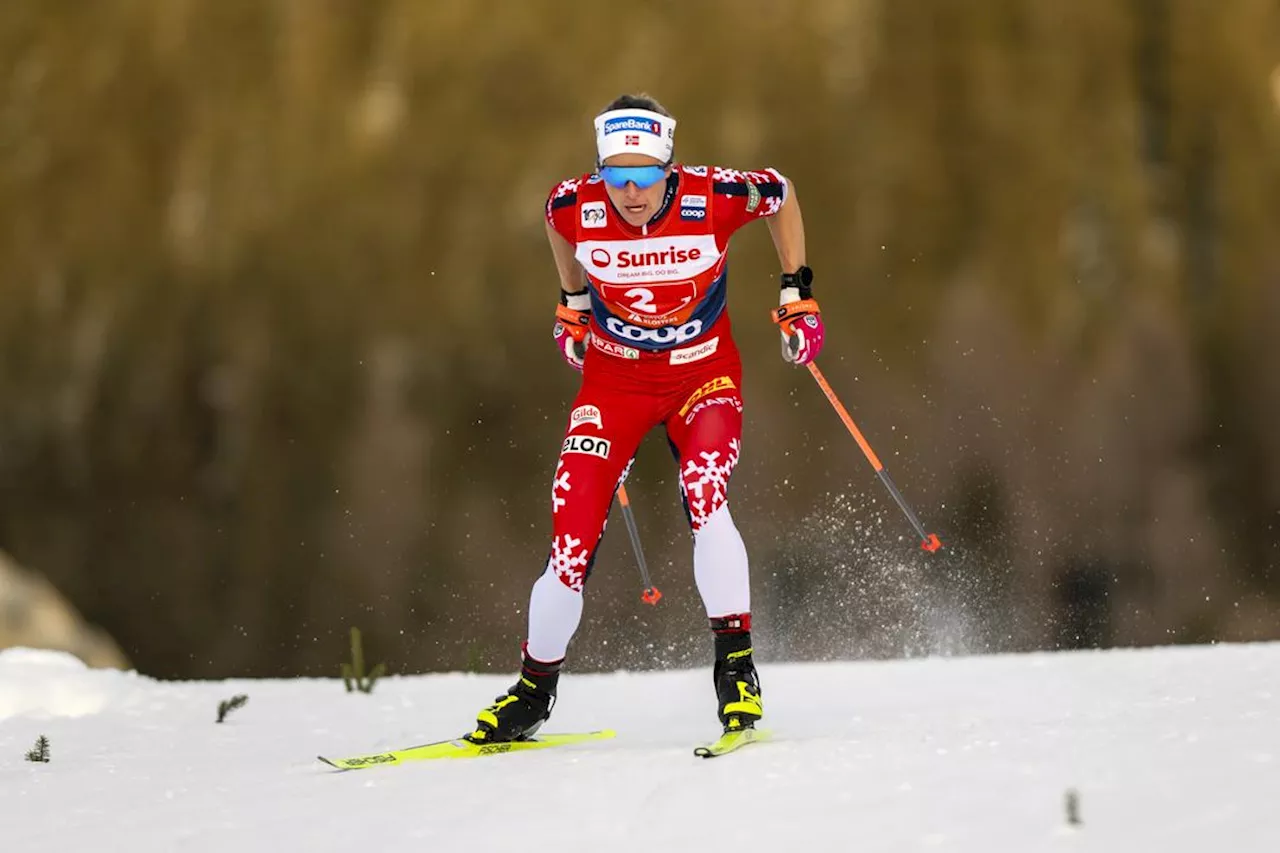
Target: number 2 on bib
x=642, y=300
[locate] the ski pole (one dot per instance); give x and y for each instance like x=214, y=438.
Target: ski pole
x=929, y=541
x=651, y=594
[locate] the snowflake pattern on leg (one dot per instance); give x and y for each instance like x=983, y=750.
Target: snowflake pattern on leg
x=561, y=482
x=706, y=485
x=570, y=567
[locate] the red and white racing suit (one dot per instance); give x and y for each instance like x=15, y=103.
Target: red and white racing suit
x=660, y=354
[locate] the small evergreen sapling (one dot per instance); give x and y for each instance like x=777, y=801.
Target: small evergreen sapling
x=40, y=752
x=353, y=674
x=226, y=706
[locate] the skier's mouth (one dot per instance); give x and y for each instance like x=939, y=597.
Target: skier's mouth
x=635, y=208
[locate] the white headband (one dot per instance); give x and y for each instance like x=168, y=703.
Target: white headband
x=635, y=132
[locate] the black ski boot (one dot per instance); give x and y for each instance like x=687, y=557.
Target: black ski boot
x=522, y=710
x=737, y=685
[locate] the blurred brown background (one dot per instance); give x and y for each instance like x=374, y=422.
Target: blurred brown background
x=275, y=304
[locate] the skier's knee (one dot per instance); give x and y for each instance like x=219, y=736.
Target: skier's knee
x=704, y=479
x=714, y=520
x=570, y=561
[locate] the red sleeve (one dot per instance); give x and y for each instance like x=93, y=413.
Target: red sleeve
x=562, y=206
x=739, y=197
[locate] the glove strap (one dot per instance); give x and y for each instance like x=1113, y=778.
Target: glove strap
x=785, y=315
x=574, y=322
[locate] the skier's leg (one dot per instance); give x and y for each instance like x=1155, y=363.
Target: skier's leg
x=600, y=441
x=602, y=435
x=707, y=441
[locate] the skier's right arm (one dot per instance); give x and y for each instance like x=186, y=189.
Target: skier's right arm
x=572, y=277
x=573, y=314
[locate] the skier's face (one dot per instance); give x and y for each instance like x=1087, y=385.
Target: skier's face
x=636, y=184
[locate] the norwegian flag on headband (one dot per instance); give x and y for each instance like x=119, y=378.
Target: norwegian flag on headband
x=633, y=139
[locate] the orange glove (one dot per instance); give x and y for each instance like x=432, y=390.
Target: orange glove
x=803, y=332
x=573, y=320
x=798, y=318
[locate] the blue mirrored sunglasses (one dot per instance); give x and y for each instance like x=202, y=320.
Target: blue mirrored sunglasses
x=642, y=176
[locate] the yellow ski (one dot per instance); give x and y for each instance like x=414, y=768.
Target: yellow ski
x=460, y=748
x=729, y=741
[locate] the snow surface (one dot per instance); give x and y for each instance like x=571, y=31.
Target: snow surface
x=1170, y=750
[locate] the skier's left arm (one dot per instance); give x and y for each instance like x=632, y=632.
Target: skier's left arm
x=786, y=227
x=741, y=197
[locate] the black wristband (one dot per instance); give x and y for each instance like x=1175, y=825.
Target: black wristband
x=801, y=280
x=564, y=295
